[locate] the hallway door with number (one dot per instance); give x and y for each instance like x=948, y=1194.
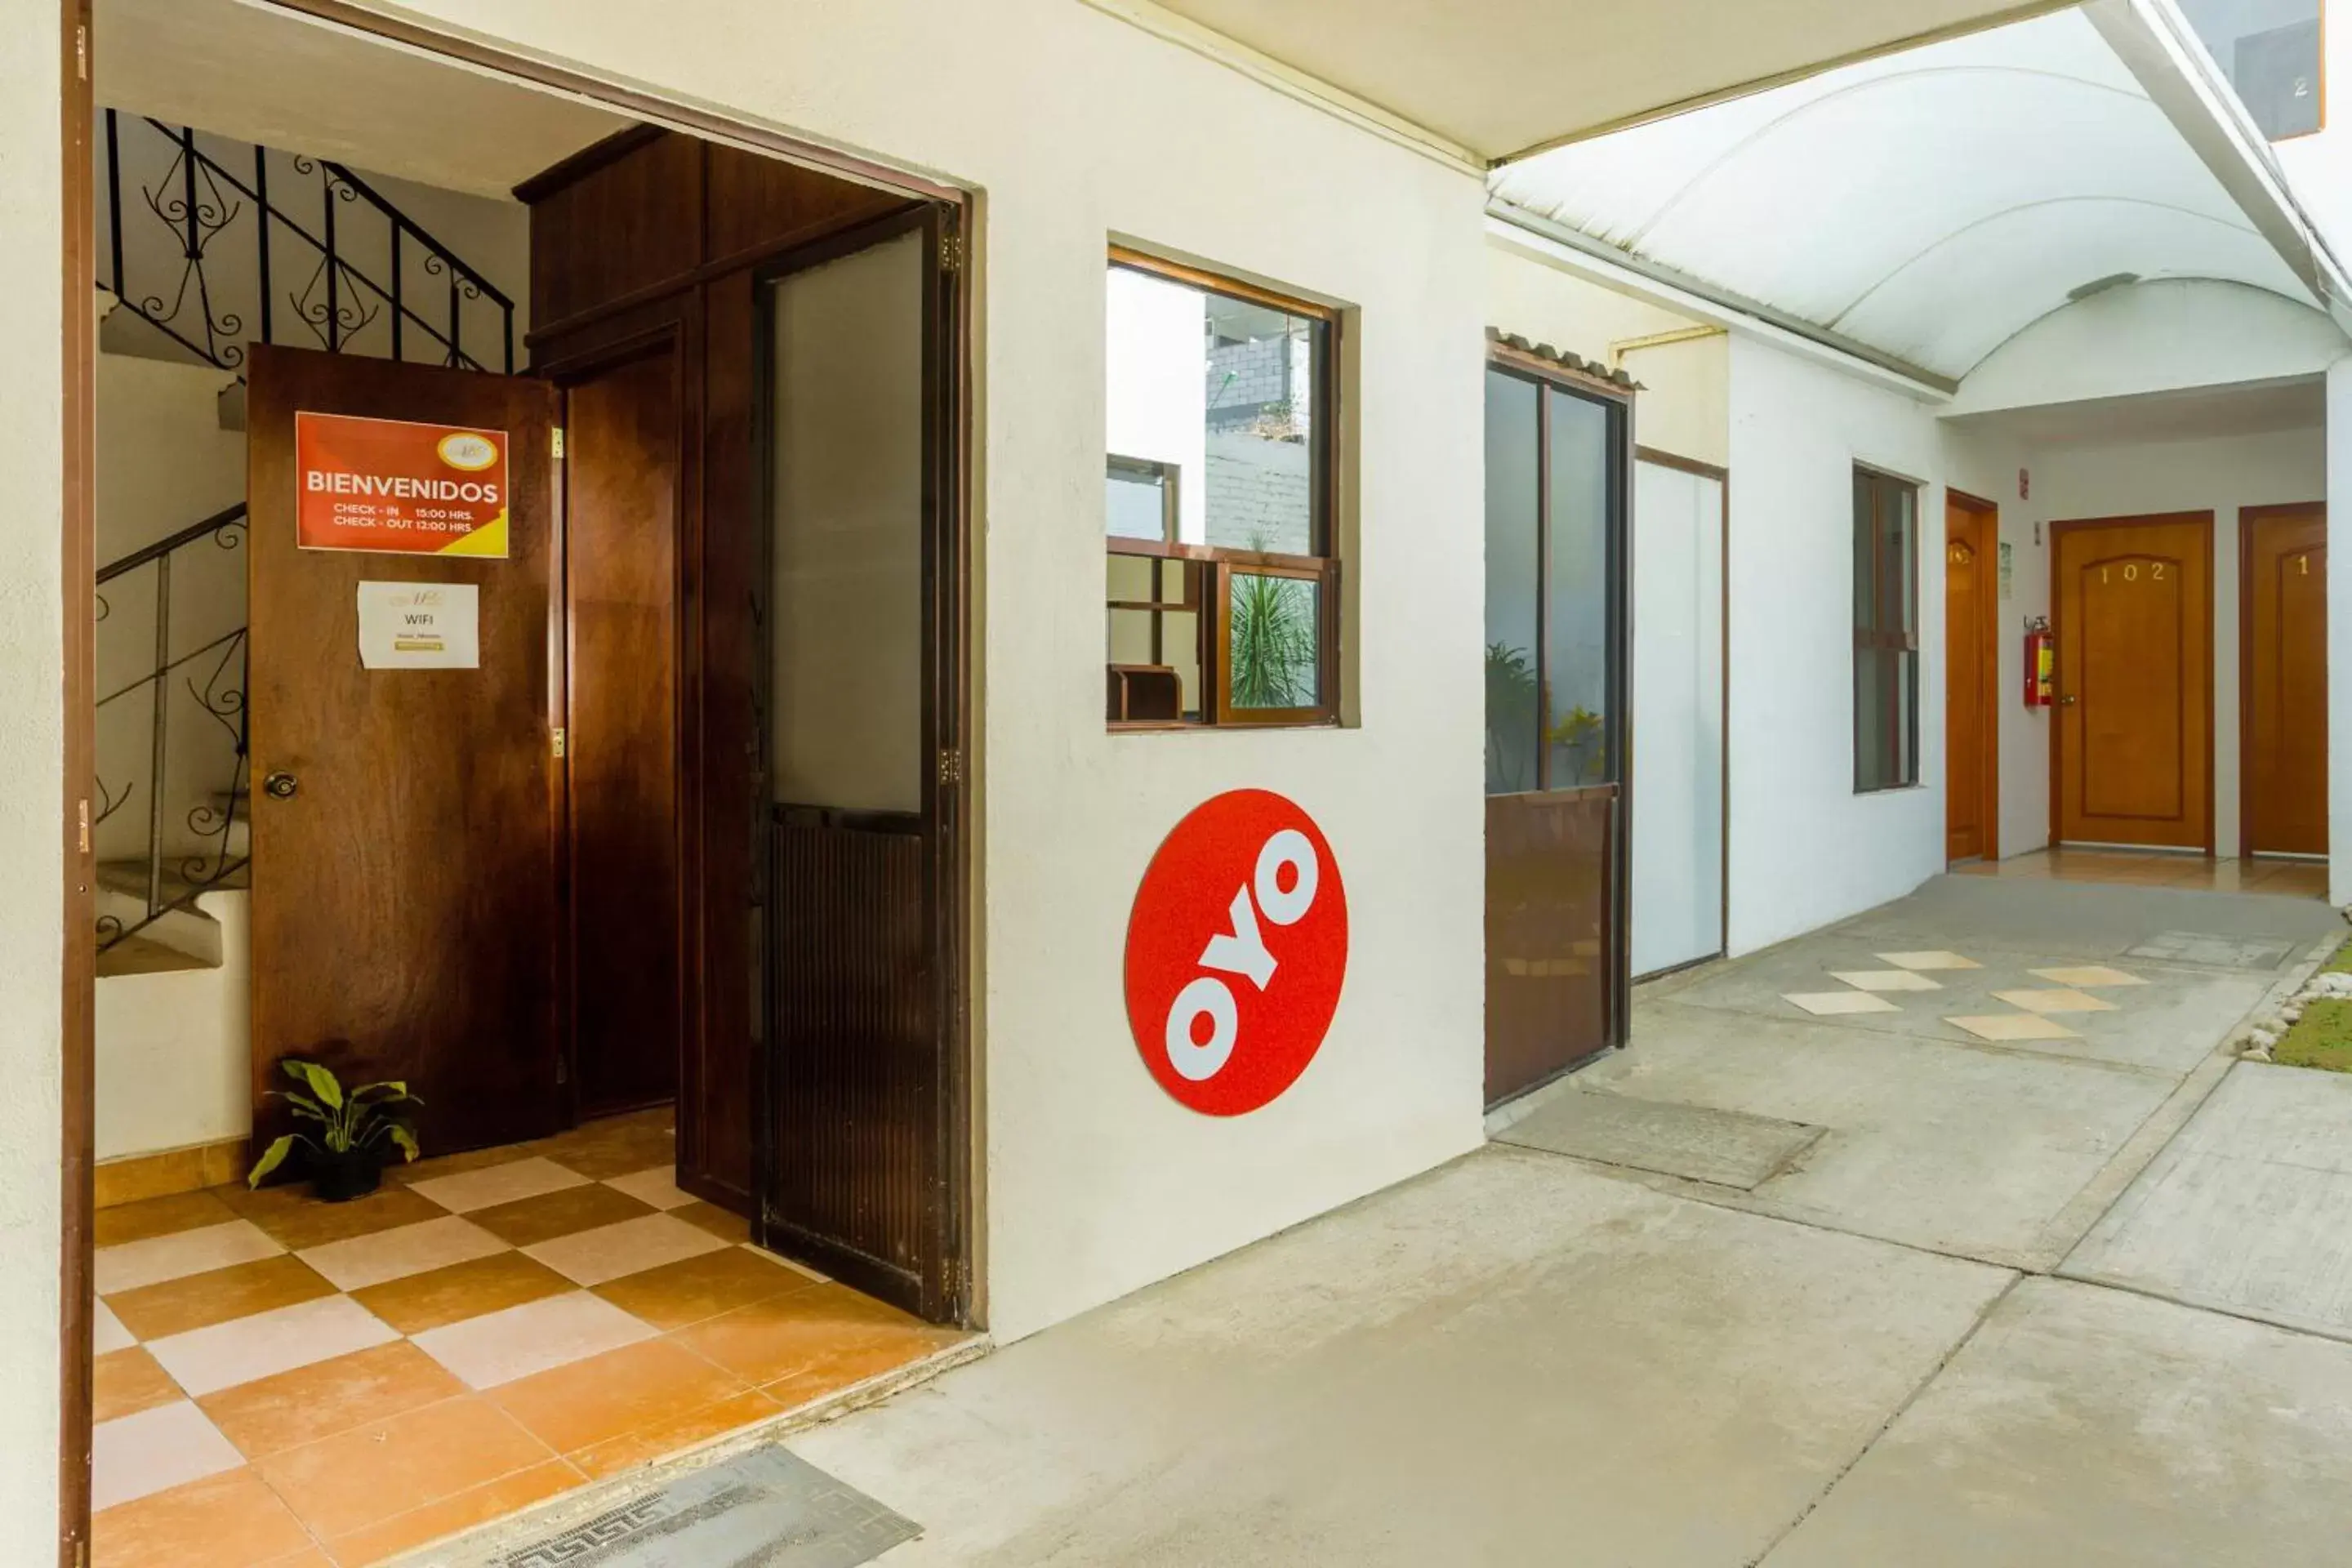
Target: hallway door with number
x=2284, y=659
x=2132, y=746
x=1971, y=674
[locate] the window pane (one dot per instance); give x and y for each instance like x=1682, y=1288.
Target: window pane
x=2270, y=51
x=1578, y=722
x=1512, y=726
x=1274, y=635
x=1870, y=728
x=1896, y=536
x=1224, y=392
x=1866, y=552
x=1136, y=500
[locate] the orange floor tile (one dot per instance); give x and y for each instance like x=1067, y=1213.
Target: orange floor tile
x=2149, y=868
x=283, y=1384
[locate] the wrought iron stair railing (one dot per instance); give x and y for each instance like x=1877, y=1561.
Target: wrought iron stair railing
x=422, y=292
x=207, y=855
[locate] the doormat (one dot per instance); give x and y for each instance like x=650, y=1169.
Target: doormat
x=763, y=1508
x=2212, y=951
x=1725, y=1148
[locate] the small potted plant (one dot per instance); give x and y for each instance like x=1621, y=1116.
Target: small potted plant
x=358, y=1130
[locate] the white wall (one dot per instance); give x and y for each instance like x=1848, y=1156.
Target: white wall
x=32, y=792
x=1805, y=849
x=1081, y=130
x=175, y=1049
x=1685, y=405
x=2220, y=476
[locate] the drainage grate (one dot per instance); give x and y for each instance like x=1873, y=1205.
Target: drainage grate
x=2212, y=951
x=1727, y=1148
x=765, y=1509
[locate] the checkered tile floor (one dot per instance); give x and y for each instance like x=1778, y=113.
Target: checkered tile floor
x=1869, y=991
x=285, y=1384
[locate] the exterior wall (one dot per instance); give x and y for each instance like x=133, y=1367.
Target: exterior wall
x=1685, y=404
x=1095, y=1181
x=2219, y=475
x=1805, y=849
x=32, y=789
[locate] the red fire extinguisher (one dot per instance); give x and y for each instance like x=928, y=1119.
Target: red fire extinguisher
x=2040, y=661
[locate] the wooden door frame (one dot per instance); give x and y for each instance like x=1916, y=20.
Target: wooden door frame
x=78, y=559
x=2247, y=517
x=2059, y=529
x=1986, y=517
x=1722, y=478
x=78, y=544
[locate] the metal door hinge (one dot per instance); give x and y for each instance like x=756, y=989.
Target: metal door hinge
x=562, y=1070
x=950, y=767
x=81, y=811
x=950, y=253
x=558, y=440
x=81, y=51
x=558, y=740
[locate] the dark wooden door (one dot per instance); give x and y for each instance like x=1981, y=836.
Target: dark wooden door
x=2284, y=659
x=1559, y=461
x=1970, y=551
x=862, y=1146
x=405, y=893
x=2134, y=621
x=623, y=435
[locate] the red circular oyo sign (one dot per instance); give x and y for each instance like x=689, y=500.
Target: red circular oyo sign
x=1235, y=950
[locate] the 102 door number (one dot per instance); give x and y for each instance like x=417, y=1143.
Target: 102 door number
x=2130, y=571
x=1237, y=948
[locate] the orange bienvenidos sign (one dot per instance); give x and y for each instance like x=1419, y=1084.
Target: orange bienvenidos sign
x=398, y=486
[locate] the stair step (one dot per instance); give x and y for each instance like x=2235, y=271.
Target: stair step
x=144, y=955
x=131, y=877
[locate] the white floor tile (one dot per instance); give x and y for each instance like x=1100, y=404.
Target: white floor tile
x=181, y=1253
x=1935, y=958
x=360, y=1261
x=206, y=1360
x=2015, y=1026
x=500, y=1347
x=138, y=1455
x=509, y=1183
x=2065, y=1000
x=657, y=1186
x=2088, y=974
x=1884, y=979
x=1828, y=1003
x=632, y=1247
x=107, y=1332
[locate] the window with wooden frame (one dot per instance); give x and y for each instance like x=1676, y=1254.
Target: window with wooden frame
x=1885, y=632
x=1222, y=597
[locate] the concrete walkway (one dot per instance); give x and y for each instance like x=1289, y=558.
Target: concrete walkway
x=1854, y=1290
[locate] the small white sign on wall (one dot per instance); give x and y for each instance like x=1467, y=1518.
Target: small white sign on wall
x=420, y=626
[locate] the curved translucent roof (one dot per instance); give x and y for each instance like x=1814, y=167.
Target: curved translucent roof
x=1928, y=204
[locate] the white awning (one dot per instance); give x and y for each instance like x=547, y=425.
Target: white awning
x=1923, y=206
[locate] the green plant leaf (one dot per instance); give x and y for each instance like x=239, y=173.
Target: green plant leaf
x=322, y=1083
x=301, y=1105
x=397, y=1088
x=405, y=1138
x=273, y=1157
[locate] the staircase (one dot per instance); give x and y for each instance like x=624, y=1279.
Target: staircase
x=207, y=246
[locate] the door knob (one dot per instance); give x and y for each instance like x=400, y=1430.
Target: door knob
x=281, y=786
x=2068, y=701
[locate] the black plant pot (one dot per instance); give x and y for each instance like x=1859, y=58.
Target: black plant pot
x=339, y=1178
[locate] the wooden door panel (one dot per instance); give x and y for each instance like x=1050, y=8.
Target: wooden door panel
x=2134, y=729
x=2285, y=767
x=1969, y=550
x=1549, y=961
x=622, y=425
x=405, y=897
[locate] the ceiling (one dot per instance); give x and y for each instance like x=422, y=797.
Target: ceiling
x=2248, y=408
x=1505, y=76
x=259, y=74
x=1926, y=205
